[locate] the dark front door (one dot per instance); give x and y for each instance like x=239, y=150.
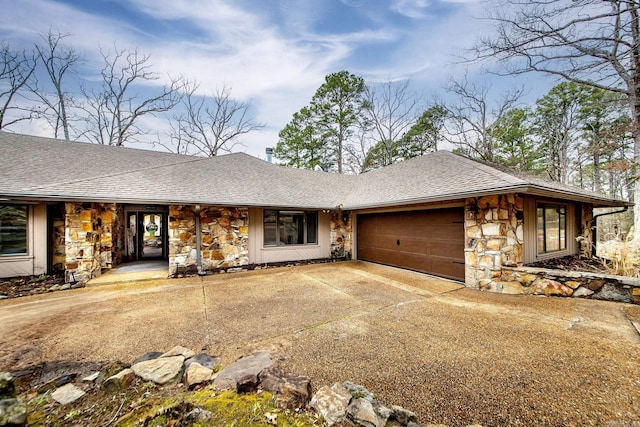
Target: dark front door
x=148, y=235
x=430, y=241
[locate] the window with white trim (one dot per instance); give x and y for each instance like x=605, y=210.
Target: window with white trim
x=283, y=228
x=551, y=227
x=14, y=221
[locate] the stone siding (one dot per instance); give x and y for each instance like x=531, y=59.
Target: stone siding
x=494, y=236
x=224, y=238
x=341, y=235
x=585, y=236
x=92, y=239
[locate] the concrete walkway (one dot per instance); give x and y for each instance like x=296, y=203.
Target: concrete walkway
x=133, y=272
x=453, y=355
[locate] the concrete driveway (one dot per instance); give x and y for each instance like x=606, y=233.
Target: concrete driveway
x=453, y=355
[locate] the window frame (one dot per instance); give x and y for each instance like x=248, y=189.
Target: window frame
x=27, y=233
x=562, y=212
x=277, y=224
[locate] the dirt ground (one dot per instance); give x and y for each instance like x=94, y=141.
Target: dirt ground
x=453, y=355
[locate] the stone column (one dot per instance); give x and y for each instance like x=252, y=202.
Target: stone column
x=341, y=234
x=494, y=237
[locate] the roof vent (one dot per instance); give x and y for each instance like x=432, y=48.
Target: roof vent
x=269, y=152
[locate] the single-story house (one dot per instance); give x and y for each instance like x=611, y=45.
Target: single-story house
x=84, y=208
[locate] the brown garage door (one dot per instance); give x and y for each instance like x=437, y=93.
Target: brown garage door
x=429, y=241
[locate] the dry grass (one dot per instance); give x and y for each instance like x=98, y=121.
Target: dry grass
x=622, y=256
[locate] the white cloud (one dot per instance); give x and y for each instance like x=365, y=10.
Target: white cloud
x=410, y=8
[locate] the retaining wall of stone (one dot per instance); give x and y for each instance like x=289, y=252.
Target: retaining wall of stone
x=542, y=281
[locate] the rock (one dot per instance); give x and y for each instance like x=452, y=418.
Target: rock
x=119, y=381
x=331, y=403
x=198, y=415
x=147, y=356
x=610, y=292
x=403, y=416
x=204, y=360
x=13, y=412
x=549, y=288
x=161, y=371
x=361, y=412
x=56, y=383
x=7, y=386
x=179, y=351
x=92, y=377
x=66, y=394
x=247, y=383
x=358, y=391
x=243, y=372
x=582, y=292
x=197, y=374
x=291, y=391
x=512, y=288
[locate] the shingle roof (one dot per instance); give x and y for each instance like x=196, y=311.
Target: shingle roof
x=43, y=168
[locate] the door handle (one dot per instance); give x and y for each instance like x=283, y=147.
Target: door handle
x=398, y=242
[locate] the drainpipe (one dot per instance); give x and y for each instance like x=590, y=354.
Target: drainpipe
x=594, y=227
x=198, y=242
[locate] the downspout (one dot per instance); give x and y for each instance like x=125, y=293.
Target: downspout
x=594, y=227
x=198, y=242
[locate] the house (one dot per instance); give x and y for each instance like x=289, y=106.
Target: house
x=84, y=208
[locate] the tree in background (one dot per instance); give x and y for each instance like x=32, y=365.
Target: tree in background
x=513, y=144
x=425, y=134
x=210, y=124
x=472, y=115
x=59, y=62
x=390, y=110
x=16, y=69
x=591, y=42
x=113, y=112
x=323, y=130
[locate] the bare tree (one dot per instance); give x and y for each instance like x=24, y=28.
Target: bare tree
x=59, y=61
x=209, y=125
x=591, y=42
x=113, y=112
x=472, y=115
x=392, y=109
x=16, y=68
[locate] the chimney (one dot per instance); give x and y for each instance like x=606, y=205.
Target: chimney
x=269, y=152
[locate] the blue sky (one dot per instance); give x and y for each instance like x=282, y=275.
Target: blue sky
x=272, y=53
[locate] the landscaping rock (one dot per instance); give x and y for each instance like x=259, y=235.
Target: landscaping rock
x=331, y=403
x=243, y=373
x=403, y=416
x=198, y=415
x=13, y=412
x=582, y=292
x=549, y=288
x=66, y=394
x=197, y=374
x=161, y=371
x=291, y=391
x=148, y=356
x=179, y=351
x=611, y=292
x=361, y=412
x=92, y=377
x=119, y=381
x=203, y=359
x=358, y=391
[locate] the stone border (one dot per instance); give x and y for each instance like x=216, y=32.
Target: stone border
x=549, y=282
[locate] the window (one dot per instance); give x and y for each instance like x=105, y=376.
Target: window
x=290, y=228
x=552, y=228
x=13, y=229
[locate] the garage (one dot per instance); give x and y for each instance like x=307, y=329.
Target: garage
x=429, y=241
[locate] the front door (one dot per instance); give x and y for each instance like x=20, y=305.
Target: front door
x=147, y=235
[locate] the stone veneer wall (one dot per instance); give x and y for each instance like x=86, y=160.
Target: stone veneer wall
x=224, y=238
x=494, y=237
x=585, y=241
x=341, y=235
x=92, y=239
